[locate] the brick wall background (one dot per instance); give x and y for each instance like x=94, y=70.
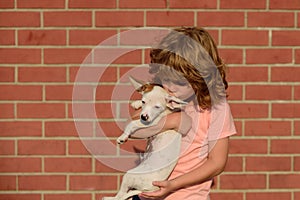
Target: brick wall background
x=43, y=43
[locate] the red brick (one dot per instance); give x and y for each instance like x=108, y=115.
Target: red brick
x=285, y=38
x=297, y=163
x=169, y=18
x=232, y=56
x=101, y=167
x=64, y=92
x=245, y=146
x=7, y=147
x=7, y=111
x=109, y=74
x=65, y=56
x=92, y=110
x=297, y=54
x=285, y=74
x=7, y=74
x=7, y=37
x=41, y=4
x=41, y=110
x=245, y=37
x=285, y=146
x=41, y=37
x=249, y=110
x=42, y=74
x=297, y=92
x=118, y=92
x=234, y=164
x=105, y=110
x=41, y=147
x=247, y=74
x=120, y=18
x=242, y=4
x=91, y=4
x=93, y=182
x=297, y=195
x=20, y=92
x=117, y=56
x=268, y=92
x=268, y=56
x=249, y=181
x=268, y=163
x=8, y=183
x=281, y=181
x=7, y=4
x=285, y=110
x=271, y=19
x=220, y=18
x=68, y=164
x=20, y=19
x=235, y=92
x=286, y=5
x=193, y=4
x=142, y=4
x=90, y=37
x=66, y=128
x=42, y=182
x=66, y=19
x=297, y=127
x=20, y=56
x=20, y=196
x=225, y=195
x=18, y=165
x=268, y=128
x=76, y=147
x=109, y=129
x=268, y=195
x=68, y=196
x=20, y=128
x=95, y=147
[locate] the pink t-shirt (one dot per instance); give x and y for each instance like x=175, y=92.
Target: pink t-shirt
x=208, y=125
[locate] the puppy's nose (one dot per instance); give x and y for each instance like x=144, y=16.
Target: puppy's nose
x=144, y=117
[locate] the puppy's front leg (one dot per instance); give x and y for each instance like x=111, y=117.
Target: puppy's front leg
x=130, y=128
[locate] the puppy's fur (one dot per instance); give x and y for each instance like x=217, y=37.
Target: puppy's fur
x=163, y=149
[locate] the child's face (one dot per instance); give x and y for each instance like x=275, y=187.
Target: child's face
x=179, y=90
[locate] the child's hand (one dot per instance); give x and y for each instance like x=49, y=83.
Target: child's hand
x=165, y=189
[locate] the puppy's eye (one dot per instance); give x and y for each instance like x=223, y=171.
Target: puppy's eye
x=157, y=107
x=143, y=102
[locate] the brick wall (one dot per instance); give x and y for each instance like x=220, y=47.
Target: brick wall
x=44, y=42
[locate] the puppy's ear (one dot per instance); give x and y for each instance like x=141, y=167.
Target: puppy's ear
x=136, y=84
x=175, y=103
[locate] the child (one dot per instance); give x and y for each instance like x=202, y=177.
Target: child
x=187, y=64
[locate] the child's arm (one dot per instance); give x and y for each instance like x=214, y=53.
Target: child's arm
x=214, y=165
x=178, y=121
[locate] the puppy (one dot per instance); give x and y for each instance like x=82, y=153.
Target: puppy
x=163, y=149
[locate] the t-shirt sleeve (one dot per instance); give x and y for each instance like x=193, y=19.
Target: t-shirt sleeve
x=221, y=122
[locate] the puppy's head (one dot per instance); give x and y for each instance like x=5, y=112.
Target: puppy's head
x=155, y=100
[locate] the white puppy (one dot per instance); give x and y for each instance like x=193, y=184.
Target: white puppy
x=163, y=149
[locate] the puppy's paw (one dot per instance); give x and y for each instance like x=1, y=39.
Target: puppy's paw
x=136, y=104
x=122, y=139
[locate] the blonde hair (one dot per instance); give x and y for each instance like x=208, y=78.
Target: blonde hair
x=191, y=52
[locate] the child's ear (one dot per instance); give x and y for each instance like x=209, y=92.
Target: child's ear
x=136, y=84
x=175, y=103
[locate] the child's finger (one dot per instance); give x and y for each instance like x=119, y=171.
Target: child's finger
x=159, y=183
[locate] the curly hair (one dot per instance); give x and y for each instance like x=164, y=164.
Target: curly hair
x=192, y=53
